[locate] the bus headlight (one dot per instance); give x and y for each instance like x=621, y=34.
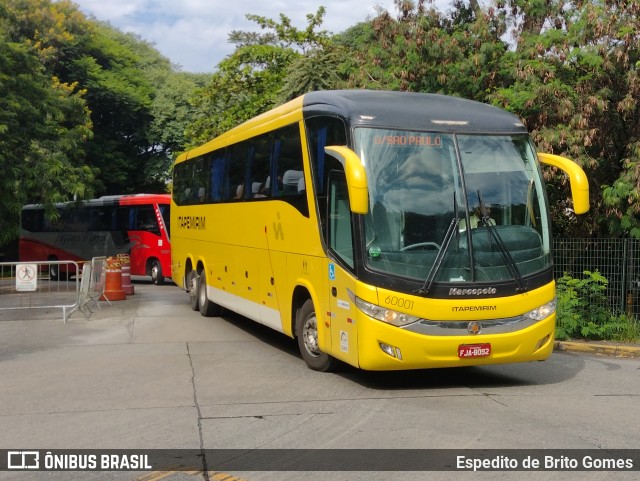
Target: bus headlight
x=543, y=311
x=385, y=315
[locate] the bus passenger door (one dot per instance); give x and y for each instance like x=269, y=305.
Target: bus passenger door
x=344, y=332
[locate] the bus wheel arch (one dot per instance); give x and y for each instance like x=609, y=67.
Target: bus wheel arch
x=306, y=333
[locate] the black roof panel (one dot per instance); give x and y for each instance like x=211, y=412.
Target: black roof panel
x=411, y=110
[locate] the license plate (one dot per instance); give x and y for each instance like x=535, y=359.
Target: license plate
x=466, y=351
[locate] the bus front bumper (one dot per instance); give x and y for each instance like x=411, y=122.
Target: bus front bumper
x=386, y=347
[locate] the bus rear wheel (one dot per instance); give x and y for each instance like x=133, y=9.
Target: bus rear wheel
x=54, y=270
x=207, y=307
x=192, y=289
x=307, y=332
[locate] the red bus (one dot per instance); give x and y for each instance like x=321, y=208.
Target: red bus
x=118, y=224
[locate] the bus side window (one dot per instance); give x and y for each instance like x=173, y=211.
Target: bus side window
x=288, y=162
x=181, y=184
x=32, y=220
x=323, y=131
x=201, y=178
x=340, y=233
x=259, y=167
x=236, y=173
x=218, y=172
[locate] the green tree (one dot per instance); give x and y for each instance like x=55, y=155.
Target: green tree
x=574, y=83
x=120, y=97
x=423, y=50
x=254, y=78
x=44, y=125
x=113, y=69
x=245, y=84
x=317, y=70
x=170, y=112
x=85, y=109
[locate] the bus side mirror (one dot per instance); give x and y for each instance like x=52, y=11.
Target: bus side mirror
x=577, y=179
x=356, y=177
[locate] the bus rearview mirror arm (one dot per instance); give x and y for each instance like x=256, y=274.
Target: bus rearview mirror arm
x=356, y=177
x=577, y=179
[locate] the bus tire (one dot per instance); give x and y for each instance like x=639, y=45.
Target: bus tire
x=192, y=289
x=307, y=334
x=54, y=270
x=156, y=273
x=206, y=306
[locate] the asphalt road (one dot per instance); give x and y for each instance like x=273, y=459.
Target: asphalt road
x=149, y=373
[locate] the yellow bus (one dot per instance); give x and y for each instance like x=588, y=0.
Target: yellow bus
x=386, y=230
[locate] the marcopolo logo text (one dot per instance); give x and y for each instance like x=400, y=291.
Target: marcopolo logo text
x=481, y=291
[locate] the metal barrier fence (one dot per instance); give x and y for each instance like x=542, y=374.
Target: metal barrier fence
x=616, y=259
x=39, y=285
x=92, y=286
x=65, y=285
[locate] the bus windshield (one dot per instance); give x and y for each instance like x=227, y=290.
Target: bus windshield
x=473, y=206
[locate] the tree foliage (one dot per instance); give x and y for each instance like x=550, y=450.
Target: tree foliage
x=84, y=109
x=44, y=124
x=422, y=50
x=574, y=83
x=265, y=69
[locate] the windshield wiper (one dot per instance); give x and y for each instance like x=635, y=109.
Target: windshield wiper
x=491, y=229
x=437, y=263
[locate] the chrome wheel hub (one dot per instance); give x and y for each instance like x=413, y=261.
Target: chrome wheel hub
x=310, y=335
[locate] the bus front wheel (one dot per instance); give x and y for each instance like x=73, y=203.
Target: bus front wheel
x=307, y=331
x=156, y=273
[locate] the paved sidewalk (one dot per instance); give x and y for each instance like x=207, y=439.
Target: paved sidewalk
x=617, y=349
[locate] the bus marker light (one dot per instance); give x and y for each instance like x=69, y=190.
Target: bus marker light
x=542, y=342
x=390, y=350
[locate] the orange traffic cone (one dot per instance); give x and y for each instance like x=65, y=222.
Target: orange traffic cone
x=125, y=265
x=113, y=282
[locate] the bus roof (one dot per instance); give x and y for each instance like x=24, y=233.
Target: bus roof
x=132, y=199
x=412, y=110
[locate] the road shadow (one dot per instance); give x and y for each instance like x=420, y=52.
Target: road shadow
x=559, y=368
x=146, y=280
x=264, y=334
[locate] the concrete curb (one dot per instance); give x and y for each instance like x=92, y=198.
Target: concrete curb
x=606, y=349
